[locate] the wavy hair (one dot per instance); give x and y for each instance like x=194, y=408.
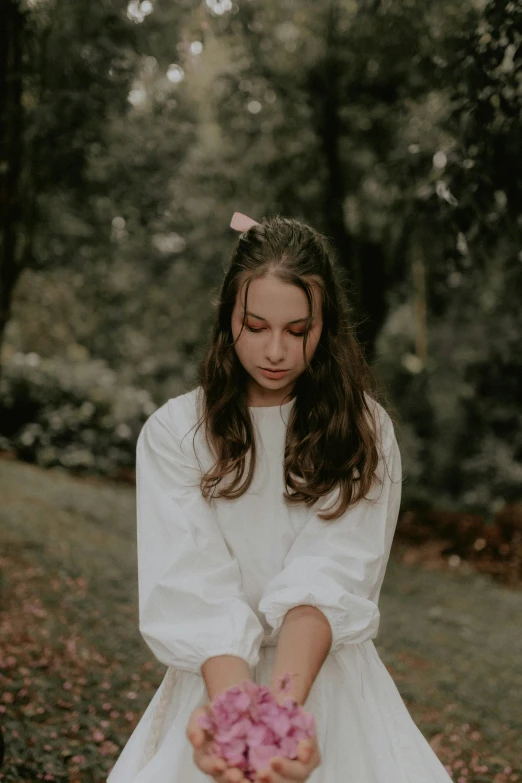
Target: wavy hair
x=331, y=437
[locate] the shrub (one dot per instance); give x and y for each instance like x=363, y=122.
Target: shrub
x=74, y=414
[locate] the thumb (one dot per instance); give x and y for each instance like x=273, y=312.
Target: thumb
x=198, y=737
x=304, y=751
x=195, y=732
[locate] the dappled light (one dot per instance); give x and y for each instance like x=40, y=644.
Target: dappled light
x=219, y=7
x=175, y=73
x=138, y=10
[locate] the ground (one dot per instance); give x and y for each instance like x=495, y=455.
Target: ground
x=76, y=675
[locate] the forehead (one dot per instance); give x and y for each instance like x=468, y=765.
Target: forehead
x=276, y=300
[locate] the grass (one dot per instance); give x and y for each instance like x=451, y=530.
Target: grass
x=76, y=675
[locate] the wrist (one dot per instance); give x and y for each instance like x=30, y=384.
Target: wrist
x=222, y=672
x=297, y=688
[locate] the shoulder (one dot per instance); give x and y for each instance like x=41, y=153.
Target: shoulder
x=382, y=422
x=185, y=409
x=174, y=418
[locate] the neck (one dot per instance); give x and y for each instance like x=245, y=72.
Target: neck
x=259, y=397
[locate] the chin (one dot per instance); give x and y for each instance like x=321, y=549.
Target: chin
x=268, y=383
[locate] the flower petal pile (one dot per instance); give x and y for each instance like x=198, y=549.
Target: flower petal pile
x=249, y=726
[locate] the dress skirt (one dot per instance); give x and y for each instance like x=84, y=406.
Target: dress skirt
x=365, y=731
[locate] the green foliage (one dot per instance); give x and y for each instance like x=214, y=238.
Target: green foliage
x=461, y=422
x=392, y=127
x=462, y=426
x=77, y=415
x=486, y=106
x=80, y=60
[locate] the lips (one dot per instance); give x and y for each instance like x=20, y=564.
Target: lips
x=274, y=375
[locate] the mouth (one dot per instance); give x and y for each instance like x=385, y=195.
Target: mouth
x=273, y=373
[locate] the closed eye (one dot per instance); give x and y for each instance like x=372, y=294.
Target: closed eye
x=295, y=334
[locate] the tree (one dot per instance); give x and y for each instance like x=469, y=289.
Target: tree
x=13, y=249
x=315, y=100
x=57, y=95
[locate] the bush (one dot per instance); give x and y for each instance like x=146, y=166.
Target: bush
x=460, y=422
x=74, y=414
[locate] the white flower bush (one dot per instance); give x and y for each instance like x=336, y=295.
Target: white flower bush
x=77, y=414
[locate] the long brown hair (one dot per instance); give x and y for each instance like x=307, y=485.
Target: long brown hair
x=331, y=438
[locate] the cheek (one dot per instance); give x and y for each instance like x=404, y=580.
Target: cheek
x=245, y=346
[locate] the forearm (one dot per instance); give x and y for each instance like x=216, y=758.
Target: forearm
x=223, y=671
x=304, y=642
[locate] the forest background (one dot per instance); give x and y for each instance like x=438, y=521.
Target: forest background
x=131, y=130
x=135, y=129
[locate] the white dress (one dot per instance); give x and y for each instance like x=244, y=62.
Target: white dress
x=217, y=578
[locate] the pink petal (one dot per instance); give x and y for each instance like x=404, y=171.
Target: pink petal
x=259, y=757
x=256, y=734
x=239, y=729
x=233, y=752
x=280, y=724
x=288, y=747
x=205, y=722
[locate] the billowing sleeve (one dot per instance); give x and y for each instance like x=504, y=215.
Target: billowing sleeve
x=339, y=566
x=191, y=602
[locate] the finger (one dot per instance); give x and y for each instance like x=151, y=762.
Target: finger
x=286, y=769
x=230, y=775
x=196, y=737
x=266, y=776
x=195, y=733
x=234, y=775
x=219, y=767
x=270, y=775
x=311, y=759
x=305, y=750
x=207, y=763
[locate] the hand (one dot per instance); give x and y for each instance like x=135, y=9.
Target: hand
x=201, y=741
x=283, y=770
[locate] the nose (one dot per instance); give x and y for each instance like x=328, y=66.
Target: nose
x=274, y=350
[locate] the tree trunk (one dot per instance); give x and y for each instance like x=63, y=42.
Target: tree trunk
x=363, y=260
x=419, y=286
x=11, y=32
x=324, y=98
x=373, y=285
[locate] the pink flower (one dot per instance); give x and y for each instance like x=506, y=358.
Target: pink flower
x=259, y=756
x=249, y=727
x=233, y=751
x=288, y=747
x=284, y=683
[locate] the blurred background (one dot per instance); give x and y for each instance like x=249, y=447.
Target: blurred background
x=131, y=131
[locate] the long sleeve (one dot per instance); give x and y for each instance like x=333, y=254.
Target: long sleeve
x=339, y=566
x=191, y=602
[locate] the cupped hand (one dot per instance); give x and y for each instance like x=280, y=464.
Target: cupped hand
x=207, y=762
x=283, y=770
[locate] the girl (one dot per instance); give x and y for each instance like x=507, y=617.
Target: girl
x=263, y=539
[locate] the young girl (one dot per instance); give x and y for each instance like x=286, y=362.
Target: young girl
x=267, y=500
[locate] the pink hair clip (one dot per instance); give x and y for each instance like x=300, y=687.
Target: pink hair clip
x=241, y=222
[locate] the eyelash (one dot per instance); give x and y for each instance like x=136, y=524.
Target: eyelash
x=256, y=331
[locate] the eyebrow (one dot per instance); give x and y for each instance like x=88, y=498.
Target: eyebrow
x=260, y=317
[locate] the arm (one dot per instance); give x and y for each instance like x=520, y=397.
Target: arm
x=191, y=602
x=338, y=567
x=223, y=671
x=304, y=641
